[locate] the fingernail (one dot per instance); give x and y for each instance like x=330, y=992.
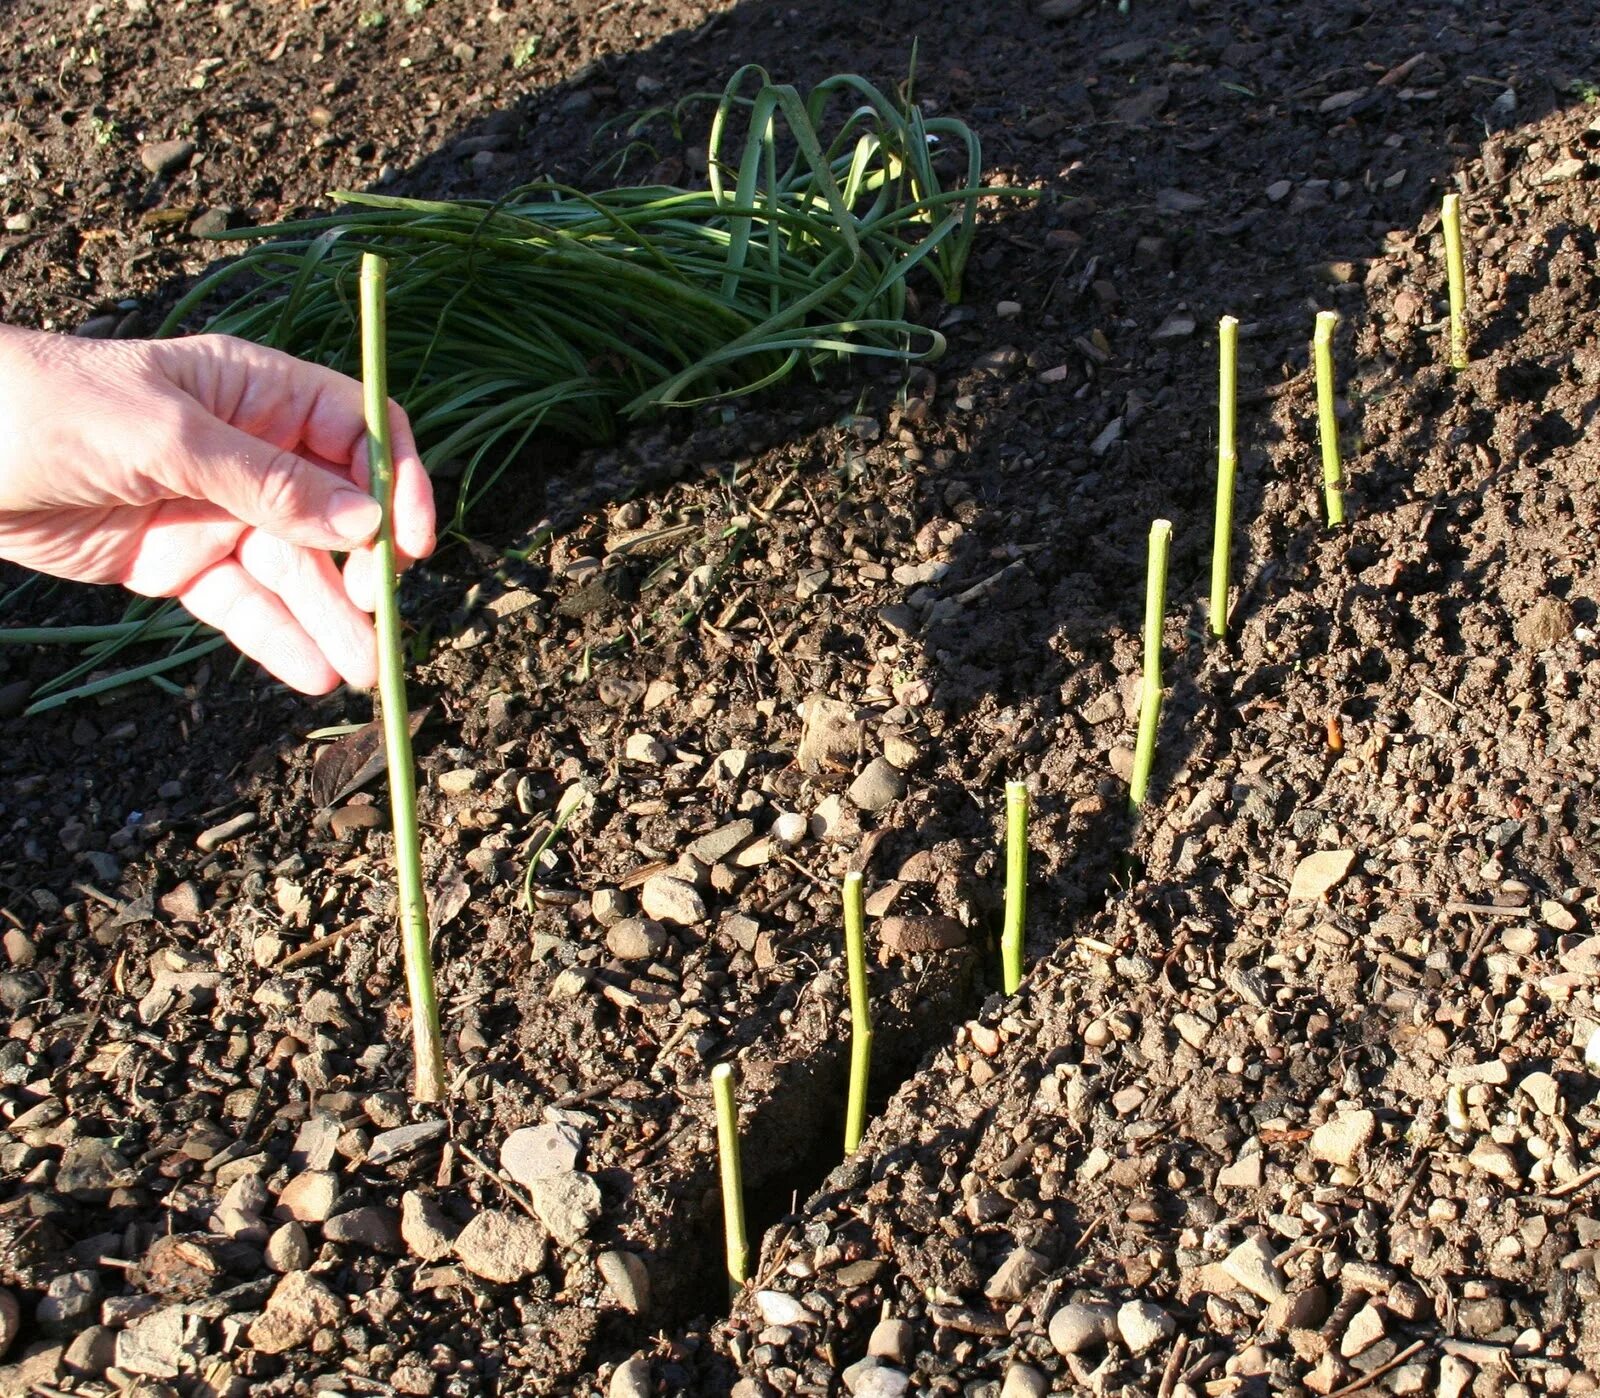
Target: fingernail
x=353, y=515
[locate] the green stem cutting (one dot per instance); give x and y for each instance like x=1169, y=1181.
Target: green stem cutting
x=414, y=930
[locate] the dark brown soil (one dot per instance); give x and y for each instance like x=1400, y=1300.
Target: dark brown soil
x=957, y=561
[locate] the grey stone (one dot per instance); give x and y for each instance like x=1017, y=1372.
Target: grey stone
x=881, y=1382
x=670, y=899
x=630, y=1379
x=502, y=1247
x=300, y=1305
x=627, y=1278
x=391, y=1145
x=716, y=846
x=90, y=1169
x=780, y=1308
x=537, y=1152
x=830, y=737
x=566, y=1204
x=1081, y=1325
x=69, y=1303
x=1143, y=1325
x=370, y=1226
x=425, y=1227
x=91, y=1352
x=288, y=1249
x=1254, y=1265
x=892, y=1339
x=880, y=784
x=636, y=939
x=163, y=158
x=1017, y=1275
x=162, y=1344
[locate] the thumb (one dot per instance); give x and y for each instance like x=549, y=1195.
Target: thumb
x=272, y=488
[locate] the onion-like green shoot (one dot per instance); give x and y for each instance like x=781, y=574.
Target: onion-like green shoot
x=1155, y=620
x=414, y=931
x=561, y=312
x=1013, y=934
x=1227, y=466
x=737, y=1243
x=855, y=948
x=1450, y=218
x=1327, y=417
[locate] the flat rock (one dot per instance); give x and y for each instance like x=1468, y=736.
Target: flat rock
x=1254, y=1265
x=162, y=1344
x=1365, y=1330
x=402, y=1140
x=1547, y=623
x=716, y=846
x=10, y=1319
x=626, y=1278
x=830, y=738
x=500, y=1246
x=881, y=1381
x=780, y=1308
x=1495, y=1159
x=371, y=1226
x=425, y=1228
x=1317, y=873
x=538, y=1152
x=1177, y=326
x=670, y=899
x=892, y=1339
x=566, y=1204
x=300, y=1305
x=1341, y=1140
x=1082, y=1325
x=90, y=1169
x=92, y=1351
x=1017, y=1275
x=917, y=933
x=1544, y=1091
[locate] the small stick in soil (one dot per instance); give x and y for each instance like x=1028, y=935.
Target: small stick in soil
x=1227, y=464
x=414, y=930
x=1011, y=939
x=738, y=1245
x=1327, y=418
x=1455, y=272
x=855, y=947
x=1155, y=619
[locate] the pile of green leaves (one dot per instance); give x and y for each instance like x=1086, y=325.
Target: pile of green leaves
x=553, y=310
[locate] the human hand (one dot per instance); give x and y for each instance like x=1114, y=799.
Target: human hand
x=211, y=470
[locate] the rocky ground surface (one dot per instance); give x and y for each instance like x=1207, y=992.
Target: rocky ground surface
x=1295, y=1096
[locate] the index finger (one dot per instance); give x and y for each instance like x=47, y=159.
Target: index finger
x=413, y=508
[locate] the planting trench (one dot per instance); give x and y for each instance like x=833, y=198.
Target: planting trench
x=161, y=1049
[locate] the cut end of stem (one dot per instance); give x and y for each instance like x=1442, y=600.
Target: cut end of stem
x=1014, y=934
x=1155, y=619
x=1328, y=417
x=1455, y=272
x=737, y=1243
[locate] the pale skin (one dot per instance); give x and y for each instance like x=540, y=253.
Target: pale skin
x=211, y=470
